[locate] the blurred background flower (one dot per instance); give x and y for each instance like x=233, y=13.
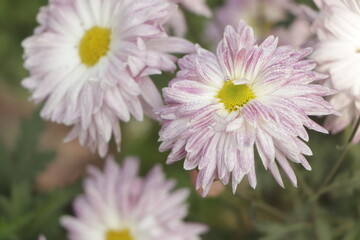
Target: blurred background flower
x=119, y=205
x=338, y=54
x=262, y=15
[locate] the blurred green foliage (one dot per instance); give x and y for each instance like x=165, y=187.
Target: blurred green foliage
x=331, y=212
x=17, y=21
x=24, y=212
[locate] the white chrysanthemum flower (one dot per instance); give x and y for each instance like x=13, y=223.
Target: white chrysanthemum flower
x=90, y=61
x=338, y=50
x=220, y=107
x=117, y=204
x=338, y=54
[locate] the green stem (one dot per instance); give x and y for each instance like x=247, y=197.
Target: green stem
x=333, y=186
x=314, y=213
x=341, y=157
x=307, y=189
x=263, y=206
x=269, y=209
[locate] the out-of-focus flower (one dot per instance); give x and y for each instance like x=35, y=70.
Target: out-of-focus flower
x=350, y=112
x=220, y=107
x=90, y=61
x=338, y=54
x=178, y=21
x=263, y=15
x=338, y=50
x=118, y=204
x=298, y=34
x=42, y=237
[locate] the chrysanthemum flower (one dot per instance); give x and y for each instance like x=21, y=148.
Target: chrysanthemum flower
x=338, y=50
x=90, y=61
x=178, y=21
x=118, y=204
x=220, y=107
x=338, y=54
x=350, y=112
x=298, y=34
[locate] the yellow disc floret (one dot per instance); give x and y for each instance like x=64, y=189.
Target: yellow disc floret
x=119, y=235
x=94, y=45
x=235, y=96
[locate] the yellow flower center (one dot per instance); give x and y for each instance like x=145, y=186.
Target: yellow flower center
x=94, y=45
x=119, y=235
x=235, y=96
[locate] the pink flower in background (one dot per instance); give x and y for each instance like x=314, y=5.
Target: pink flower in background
x=350, y=112
x=90, y=61
x=298, y=34
x=220, y=107
x=118, y=204
x=261, y=14
x=178, y=21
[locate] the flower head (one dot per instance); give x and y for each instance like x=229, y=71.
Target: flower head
x=118, y=204
x=338, y=50
x=220, y=107
x=90, y=61
x=338, y=54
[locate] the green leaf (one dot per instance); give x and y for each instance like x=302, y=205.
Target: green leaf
x=323, y=228
x=5, y=207
x=11, y=229
x=16, y=203
x=25, y=213
x=20, y=196
x=25, y=161
x=49, y=208
x=4, y=169
x=344, y=183
x=31, y=168
x=277, y=231
x=26, y=144
x=353, y=234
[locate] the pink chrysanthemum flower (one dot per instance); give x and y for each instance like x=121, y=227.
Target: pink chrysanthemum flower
x=118, y=204
x=90, y=61
x=350, y=112
x=220, y=107
x=338, y=54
